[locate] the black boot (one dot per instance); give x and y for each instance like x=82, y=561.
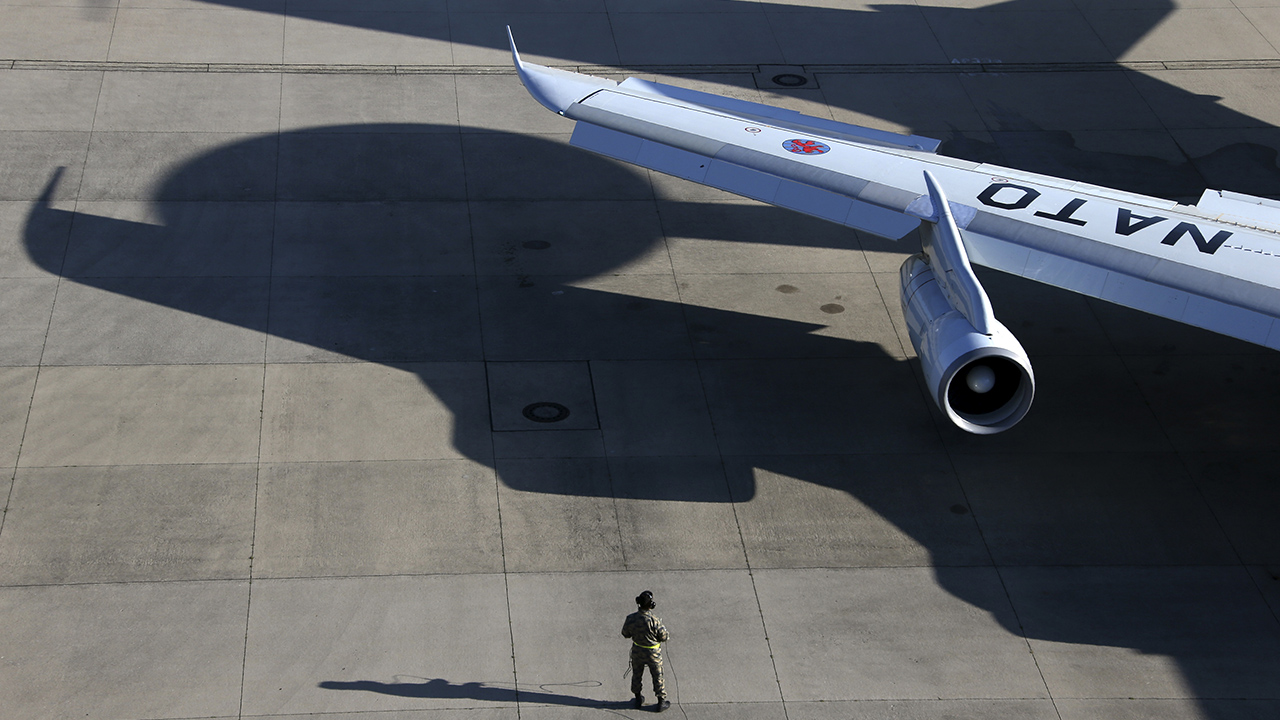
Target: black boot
x=639, y=701
x=663, y=704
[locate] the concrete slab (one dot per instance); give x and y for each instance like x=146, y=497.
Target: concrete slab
x=563, y=512
x=895, y=633
x=144, y=415
x=1135, y=333
x=69, y=649
x=741, y=236
x=788, y=315
x=1210, y=403
x=925, y=710
x=1268, y=581
x=142, y=239
x=886, y=255
x=351, y=412
x=1191, y=33
x=197, y=34
x=1114, y=509
x=129, y=524
x=16, y=387
x=372, y=239
x=377, y=518
x=1173, y=709
x=548, y=444
x=657, y=38
x=1108, y=632
x=1264, y=17
x=545, y=167
x=1055, y=101
x=48, y=101
x=853, y=511
x=816, y=406
x=482, y=713
x=725, y=711
x=427, y=103
x=854, y=36
x=158, y=321
x=56, y=33
x=308, y=6
x=189, y=102
x=547, y=237
x=917, y=104
x=215, y=166
x=480, y=38
x=352, y=166
x=1054, y=36
x=1241, y=159
x=694, y=607
x=379, y=319
x=500, y=102
x=1239, y=98
x=374, y=644
x=260, y=5
x=674, y=513
x=652, y=408
x=1239, y=488
x=541, y=396
x=1147, y=162
x=1114, y=415
x=30, y=160
x=25, y=307
x=401, y=37
x=29, y=240
x=607, y=317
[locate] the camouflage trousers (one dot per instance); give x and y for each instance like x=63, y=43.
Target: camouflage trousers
x=652, y=659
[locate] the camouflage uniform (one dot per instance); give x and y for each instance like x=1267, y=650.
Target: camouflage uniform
x=647, y=634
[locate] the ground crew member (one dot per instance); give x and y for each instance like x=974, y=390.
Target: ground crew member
x=647, y=635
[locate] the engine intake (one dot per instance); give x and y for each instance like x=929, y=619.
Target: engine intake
x=983, y=383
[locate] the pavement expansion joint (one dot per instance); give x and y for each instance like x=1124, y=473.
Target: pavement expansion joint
x=864, y=69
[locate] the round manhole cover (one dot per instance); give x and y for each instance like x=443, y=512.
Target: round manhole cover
x=546, y=412
x=790, y=80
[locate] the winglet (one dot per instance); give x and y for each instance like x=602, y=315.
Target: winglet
x=555, y=89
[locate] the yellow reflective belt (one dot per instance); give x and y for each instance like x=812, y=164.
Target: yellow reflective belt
x=646, y=647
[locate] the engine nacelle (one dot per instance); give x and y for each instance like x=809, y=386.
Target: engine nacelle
x=982, y=382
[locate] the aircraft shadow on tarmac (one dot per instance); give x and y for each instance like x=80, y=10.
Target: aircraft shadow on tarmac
x=392, y=320
x=426, y=317
x=1019, y=143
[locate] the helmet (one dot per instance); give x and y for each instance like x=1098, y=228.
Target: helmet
x=645, y=601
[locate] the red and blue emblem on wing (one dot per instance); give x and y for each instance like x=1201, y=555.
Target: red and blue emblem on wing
x=805, y=147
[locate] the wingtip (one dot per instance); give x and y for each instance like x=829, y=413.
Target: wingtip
x=515, y=54
x=554, y=89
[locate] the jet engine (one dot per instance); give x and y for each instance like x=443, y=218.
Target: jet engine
x=982, y=381
x=976, y=369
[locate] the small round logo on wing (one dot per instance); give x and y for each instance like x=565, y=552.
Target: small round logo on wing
x=805, y=147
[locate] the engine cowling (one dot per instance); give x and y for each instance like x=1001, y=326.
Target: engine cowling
x=983, y=383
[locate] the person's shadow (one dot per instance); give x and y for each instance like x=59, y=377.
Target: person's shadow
x=439, y=688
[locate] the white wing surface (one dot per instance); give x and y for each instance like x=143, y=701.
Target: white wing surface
x=1213, y=265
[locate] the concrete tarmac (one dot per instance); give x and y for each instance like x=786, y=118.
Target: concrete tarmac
x=334, y=383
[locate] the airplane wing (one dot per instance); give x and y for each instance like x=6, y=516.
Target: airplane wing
x=1214, y=265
